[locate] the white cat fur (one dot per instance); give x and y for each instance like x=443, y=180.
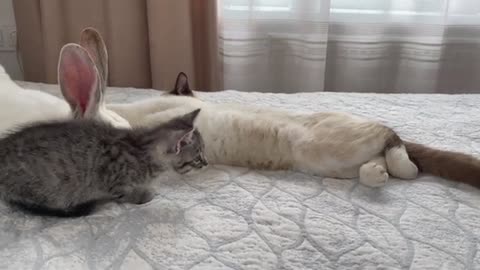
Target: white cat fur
x=327, y=144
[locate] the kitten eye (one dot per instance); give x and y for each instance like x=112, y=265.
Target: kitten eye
x=183, y=143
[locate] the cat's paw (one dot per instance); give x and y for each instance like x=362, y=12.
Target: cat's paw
x=399, y=164
x=405, y=170
x=141, y=196
x=373, y=175
x=137, y=196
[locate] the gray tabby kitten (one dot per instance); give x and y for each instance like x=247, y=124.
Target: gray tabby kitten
x=65, y=168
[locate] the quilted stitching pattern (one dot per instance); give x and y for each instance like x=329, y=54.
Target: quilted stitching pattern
x=236, y=218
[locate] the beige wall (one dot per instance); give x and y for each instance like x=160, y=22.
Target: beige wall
x=149, y=41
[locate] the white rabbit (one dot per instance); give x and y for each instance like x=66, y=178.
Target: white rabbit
x=82, y=73
x=20, y=106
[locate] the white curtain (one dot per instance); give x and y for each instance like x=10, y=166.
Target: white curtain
x=351, y=45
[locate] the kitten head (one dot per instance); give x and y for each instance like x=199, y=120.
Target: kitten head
x=181, y=86
x=189, y=153
x=176, y=143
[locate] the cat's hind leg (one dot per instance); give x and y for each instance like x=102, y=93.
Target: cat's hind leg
x=374, y=172
x=398, y=162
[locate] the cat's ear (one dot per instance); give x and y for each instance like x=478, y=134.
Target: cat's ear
x=184, y=122
x=185, y=130
x=92, y=41
x=184, y=140
x=181, y=86
x=79, y=81
x=175, y=132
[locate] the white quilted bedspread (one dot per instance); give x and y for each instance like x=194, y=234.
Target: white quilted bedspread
x=236, y=218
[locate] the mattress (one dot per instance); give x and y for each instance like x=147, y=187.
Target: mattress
x=238, y=218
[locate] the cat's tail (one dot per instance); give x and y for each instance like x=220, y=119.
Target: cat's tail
x=446, y=164
x=39, y=210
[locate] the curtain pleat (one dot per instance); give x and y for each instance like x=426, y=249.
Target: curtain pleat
x=170, y=41
x=351, y=46
x=148, y=41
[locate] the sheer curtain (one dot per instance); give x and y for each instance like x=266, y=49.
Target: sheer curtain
x=348, y=45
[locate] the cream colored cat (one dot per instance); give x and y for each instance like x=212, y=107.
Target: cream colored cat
x=328, y=144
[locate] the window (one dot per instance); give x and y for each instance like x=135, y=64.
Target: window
x=273, y=9
x=419, y=11
x=259, y=5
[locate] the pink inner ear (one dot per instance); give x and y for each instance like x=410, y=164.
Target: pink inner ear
x=184, y=140
x=177, y=148
x=78, y=77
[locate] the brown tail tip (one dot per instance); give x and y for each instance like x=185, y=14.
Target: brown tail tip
x=450, y=165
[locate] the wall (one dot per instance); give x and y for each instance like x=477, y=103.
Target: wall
x=8, y=55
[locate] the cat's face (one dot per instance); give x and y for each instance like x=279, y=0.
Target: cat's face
x=190, y=154
x=176, y=143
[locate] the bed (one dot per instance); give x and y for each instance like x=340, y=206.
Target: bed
x=237, y=218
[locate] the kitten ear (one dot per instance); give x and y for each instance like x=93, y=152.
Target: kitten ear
x=184, y=122
x=79, y=81
x=176, y=132
x=184, y=140
x=181, y=86
x=92, y=41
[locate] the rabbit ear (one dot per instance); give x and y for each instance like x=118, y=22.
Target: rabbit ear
x=92, y=41
x=79, y=81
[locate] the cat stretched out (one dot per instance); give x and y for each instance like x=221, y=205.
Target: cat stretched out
x=65, y=168
x=328, y=144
